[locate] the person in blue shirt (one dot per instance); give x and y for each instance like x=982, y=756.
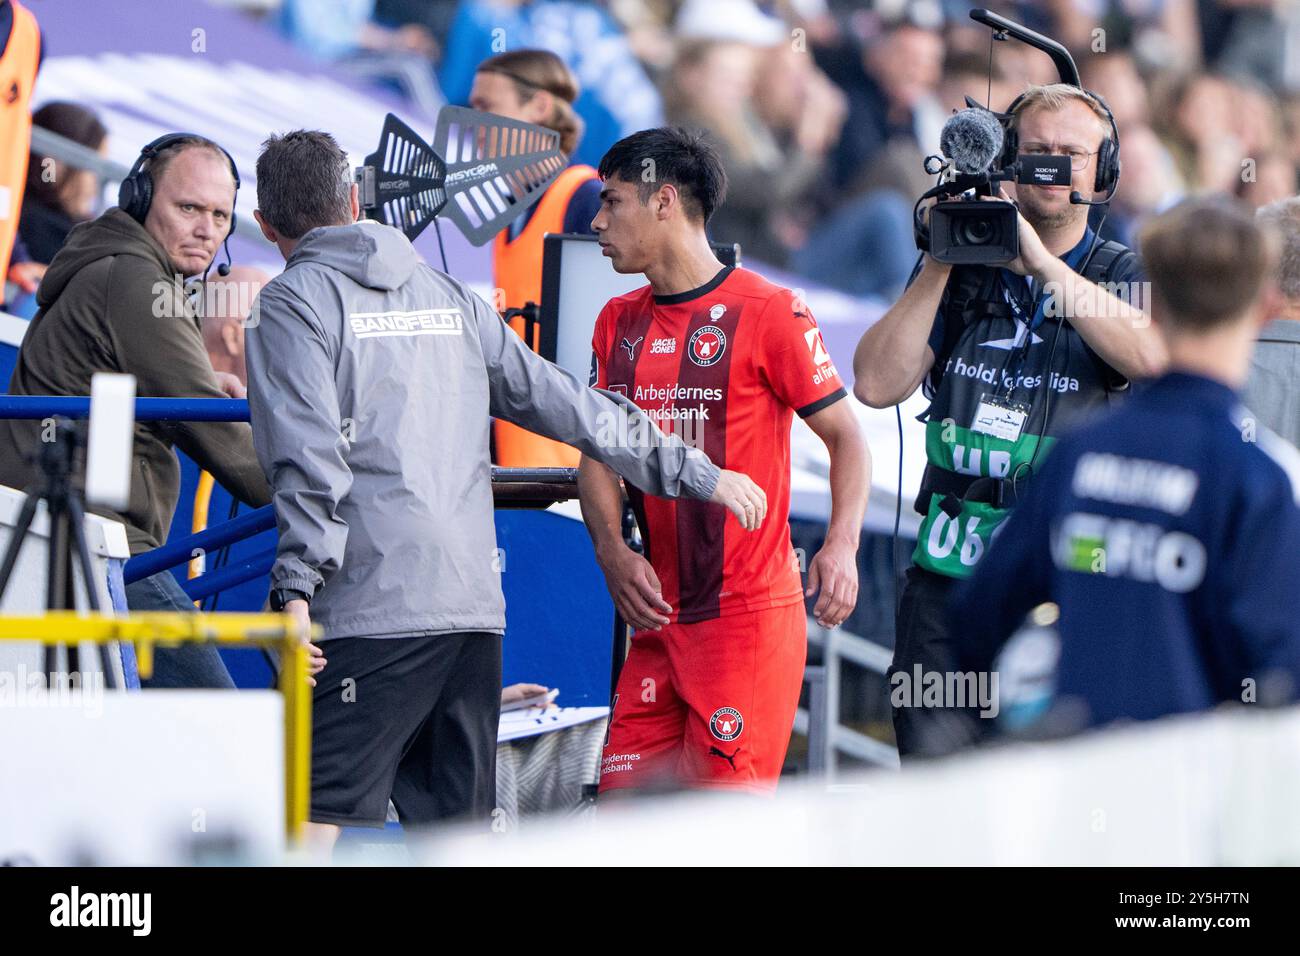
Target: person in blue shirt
x=617, y=96
x=1167, y=531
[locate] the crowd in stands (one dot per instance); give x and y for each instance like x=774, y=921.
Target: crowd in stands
x=824, y=110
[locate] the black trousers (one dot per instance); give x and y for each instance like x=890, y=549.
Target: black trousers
x=411, y=718
x=922, y=637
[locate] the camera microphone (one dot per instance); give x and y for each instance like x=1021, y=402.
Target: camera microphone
x=972, y=139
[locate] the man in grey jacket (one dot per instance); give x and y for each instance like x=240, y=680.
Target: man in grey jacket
x=371, y=379
x=1273, y=390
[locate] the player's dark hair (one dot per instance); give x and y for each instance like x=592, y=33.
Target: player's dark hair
x=670, y=154
x=303, y=182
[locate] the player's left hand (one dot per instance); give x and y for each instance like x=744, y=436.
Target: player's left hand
x=834, y=569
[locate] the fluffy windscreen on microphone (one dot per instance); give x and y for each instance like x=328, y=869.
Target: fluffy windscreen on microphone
x=972, y=139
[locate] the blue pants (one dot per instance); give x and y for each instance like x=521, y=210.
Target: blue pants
x=187, y=666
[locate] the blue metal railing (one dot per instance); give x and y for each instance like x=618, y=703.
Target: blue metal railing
x=146, y=409
x=183, y=549
x=244, y=526
x=212, y=582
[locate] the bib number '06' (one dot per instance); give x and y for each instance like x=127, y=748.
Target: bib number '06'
x=955, y=534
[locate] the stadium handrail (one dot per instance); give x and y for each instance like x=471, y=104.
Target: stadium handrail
x=517, y=484
x=180, y=550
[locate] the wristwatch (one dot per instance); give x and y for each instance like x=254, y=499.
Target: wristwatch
x=282, y=596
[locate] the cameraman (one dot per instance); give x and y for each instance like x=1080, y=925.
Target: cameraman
x=1029, y=347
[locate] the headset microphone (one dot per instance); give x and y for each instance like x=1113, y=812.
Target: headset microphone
x=1076, y=198
x=223, y=270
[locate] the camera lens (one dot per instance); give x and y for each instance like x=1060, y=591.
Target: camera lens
x=974, y=231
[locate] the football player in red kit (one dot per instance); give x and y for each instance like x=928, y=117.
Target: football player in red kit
x=725, y=359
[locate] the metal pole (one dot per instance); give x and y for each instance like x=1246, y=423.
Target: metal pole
x=815, y=675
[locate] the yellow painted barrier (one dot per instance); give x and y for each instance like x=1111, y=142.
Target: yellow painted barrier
x=199, y=522
x=168, y=628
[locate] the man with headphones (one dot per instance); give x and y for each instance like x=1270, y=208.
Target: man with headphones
x=113, y=300
x=1008, y=358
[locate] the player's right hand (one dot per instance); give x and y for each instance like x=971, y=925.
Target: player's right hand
x=635, y=588
x=742, y=498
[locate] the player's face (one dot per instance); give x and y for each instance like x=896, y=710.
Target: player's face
x=190, y=211
x=625, y=226
x=1072, y=129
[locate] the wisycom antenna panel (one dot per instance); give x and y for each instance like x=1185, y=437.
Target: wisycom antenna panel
x=496, y=168
x=401, y=184
x=482, y=171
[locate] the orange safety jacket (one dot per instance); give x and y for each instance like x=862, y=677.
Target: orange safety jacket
x=517, y=274
x=18, y=67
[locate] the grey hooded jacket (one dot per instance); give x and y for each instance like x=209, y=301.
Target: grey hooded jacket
x=370, y=381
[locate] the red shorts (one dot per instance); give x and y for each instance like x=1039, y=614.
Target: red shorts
x=709, y=704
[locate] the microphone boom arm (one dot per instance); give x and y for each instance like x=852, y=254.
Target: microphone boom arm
x=1060, y=56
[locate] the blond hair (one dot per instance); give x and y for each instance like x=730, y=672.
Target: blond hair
x=1053, y=97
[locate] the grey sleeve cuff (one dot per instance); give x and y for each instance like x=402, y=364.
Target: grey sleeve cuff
x=283, y=581
x=699, y=476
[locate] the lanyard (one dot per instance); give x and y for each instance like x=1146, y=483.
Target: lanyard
x=1016, y=361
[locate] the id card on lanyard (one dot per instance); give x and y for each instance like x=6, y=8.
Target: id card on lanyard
x=998, y=414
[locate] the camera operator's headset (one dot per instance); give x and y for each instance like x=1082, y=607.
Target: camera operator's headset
x=135, y=194
x=1106, y=181
x=1108, y=165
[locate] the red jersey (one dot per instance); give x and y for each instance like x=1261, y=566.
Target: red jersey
x=724, y=366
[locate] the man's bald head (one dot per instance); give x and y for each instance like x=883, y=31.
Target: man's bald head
x=227, y=303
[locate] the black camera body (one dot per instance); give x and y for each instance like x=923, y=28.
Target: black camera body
x=976, y=230
x=973, y=231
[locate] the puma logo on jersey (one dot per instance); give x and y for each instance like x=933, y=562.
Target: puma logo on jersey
x=631, y=347
x=730, y=758
x=663, y=346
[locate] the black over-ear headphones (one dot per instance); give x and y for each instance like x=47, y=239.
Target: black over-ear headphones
x=1108, y=165
x=136, y=191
